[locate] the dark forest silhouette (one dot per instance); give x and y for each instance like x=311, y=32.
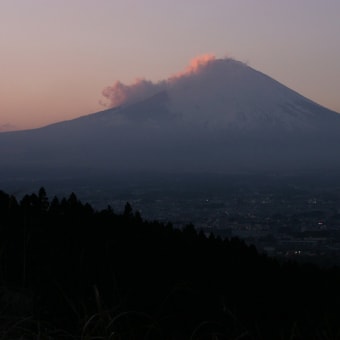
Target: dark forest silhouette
x=68, y=271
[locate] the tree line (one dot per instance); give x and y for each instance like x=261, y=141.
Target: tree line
x=70, y=271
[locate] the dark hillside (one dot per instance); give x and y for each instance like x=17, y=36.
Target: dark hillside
x=68, y=271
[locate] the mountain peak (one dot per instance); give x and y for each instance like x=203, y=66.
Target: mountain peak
x=217, y=115
x=220, y=93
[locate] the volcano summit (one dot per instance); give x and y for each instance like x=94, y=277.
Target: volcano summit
x=220, y=115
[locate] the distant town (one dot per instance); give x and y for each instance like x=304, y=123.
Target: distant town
x=295, y=217
x=297, y=223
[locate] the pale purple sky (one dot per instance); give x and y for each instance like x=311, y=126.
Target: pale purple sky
x=58, y=55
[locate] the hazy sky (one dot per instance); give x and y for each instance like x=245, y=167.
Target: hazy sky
x=57, y=56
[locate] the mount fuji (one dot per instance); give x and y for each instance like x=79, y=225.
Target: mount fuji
x=219, y=116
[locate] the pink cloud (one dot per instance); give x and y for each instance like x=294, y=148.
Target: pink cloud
x=195, y=65
x=122, y=94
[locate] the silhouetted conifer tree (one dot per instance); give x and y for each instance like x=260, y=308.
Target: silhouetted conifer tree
x=128, y=212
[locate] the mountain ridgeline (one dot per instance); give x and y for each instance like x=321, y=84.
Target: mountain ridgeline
x=226, y=117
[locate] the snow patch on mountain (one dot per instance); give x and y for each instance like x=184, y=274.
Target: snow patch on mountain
x=219, y=94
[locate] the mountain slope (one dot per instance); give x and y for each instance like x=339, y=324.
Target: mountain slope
x=224, y=116
x=239, y=96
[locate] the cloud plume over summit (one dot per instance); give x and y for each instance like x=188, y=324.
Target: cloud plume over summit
x=123, y=94
x=119, y=93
